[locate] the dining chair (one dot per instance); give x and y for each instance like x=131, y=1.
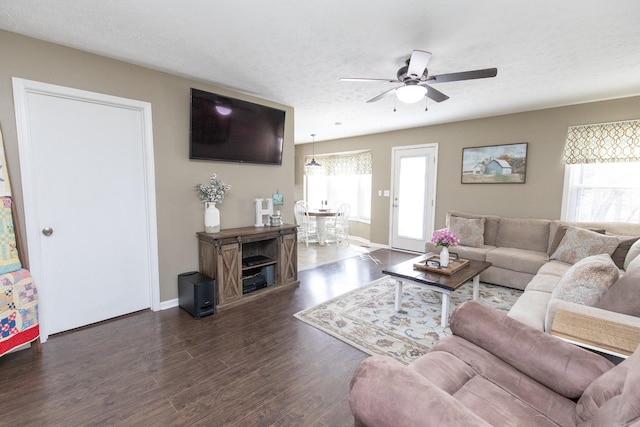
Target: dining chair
x=306, y=228
x=340, y=227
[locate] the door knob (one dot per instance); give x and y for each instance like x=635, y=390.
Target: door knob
x=47, y=231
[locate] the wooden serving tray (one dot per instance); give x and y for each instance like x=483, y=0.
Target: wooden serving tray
x=454, y=265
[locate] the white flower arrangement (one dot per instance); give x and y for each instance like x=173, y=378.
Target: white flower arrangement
x=214, y=192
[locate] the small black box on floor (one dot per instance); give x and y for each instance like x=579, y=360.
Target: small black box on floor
x=197, y=294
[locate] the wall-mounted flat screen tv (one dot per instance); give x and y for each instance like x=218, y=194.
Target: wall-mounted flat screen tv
x=232, y=130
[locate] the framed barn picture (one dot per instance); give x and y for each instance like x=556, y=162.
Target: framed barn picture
x=495, y=164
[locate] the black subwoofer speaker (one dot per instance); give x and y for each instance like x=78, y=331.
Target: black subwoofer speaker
x=197, y=294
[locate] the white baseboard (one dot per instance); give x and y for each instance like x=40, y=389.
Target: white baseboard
x=169, y=304
x=366, y=243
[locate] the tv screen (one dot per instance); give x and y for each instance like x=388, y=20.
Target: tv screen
x=232, y=130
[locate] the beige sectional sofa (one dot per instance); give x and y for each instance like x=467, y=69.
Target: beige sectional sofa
x=516, y=247
x=535, y=255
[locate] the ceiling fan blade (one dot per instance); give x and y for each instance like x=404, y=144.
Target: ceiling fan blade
x=435, y=94
x=357, y=79
x=383, y=94
x=417, y=63
x=464, y=75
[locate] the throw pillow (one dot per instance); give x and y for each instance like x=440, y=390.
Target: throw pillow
x=633, y=253
x=561, y=231
x=579, y=243
x=469, y=230
x=557, y=238
x=587, y=280
x=620, y=254
x=623, y=295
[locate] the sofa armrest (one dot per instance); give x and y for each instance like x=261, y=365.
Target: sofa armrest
x=384, y=392
x=561, y=366
x=431, y=247
x=594, y=327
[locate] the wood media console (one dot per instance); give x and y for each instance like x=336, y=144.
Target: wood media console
x=239, y=258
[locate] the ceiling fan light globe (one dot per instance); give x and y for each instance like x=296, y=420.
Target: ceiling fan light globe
x=411, y=94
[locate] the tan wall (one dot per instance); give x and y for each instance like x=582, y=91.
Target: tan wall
x=360, y=229
x=179, y=212
x=539, y=197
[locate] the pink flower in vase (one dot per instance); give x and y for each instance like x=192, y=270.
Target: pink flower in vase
x=445, y=238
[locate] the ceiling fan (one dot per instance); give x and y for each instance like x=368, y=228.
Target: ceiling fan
x=416, y=80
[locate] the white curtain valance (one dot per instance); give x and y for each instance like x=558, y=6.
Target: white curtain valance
x=341, y=164
x=603, y=143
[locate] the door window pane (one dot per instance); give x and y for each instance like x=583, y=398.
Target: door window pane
x=411, y=197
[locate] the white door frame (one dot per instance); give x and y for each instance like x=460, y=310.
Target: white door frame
x=21, y=89
x=433, y=184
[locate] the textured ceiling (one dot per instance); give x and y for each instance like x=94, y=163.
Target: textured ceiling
x=548, y=52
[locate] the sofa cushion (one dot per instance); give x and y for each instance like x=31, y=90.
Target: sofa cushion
x=620, y=254
x=531, y=308
x=489, y=368
x=554, y=268
x=384, y=392
x=451, y=379
x=579, y=243
x=491, y=224
x=635, y=264
x=567, y=369
x=530, y=234
x=543, y=283
x=495, y=405
x=508, y=278
x=624, y=295
x=469, y=230
x=633, y=253
x=587, y=280
x=599, y=392
x=517, y=259
x=629, y=409
x=612, y=399
x=467, y=252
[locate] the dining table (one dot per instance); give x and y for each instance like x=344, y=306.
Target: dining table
x=321, y=216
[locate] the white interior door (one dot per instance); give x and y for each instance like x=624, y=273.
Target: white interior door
x=87, y=174
x=413, y=198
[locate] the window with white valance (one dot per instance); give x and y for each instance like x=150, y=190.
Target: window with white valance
x=341, y=178
x=602, y=174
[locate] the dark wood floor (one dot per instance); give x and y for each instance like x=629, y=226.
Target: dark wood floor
x=254, y=365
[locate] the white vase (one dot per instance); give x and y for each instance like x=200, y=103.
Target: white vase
x=211, y=218
x=444, y=257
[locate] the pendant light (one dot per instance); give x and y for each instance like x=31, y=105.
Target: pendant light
x=313, y=160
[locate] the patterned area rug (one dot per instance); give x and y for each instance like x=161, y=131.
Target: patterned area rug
x=366, y=318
